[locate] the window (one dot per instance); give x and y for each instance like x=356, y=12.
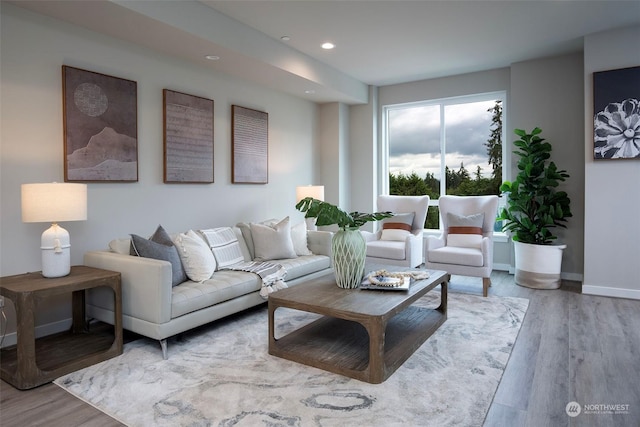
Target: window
x=445, y=146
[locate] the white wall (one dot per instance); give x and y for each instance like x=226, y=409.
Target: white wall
x=364, y=146
x=34, y=48
x=612, y=196
x=548, y=93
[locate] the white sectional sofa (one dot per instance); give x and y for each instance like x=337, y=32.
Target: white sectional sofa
x=155, y=307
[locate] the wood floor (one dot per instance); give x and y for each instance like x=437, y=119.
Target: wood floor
x=571, y=347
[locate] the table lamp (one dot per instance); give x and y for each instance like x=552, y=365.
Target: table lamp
x=54, y=202
x=315, y=191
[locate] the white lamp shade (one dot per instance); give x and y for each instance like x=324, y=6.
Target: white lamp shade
x=54, y=202
x=315, y=191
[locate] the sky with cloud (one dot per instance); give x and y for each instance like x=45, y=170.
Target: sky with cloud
x=414, y=138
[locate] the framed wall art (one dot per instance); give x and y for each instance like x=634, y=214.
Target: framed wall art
x=616, y=117
x=100, y=127
x=250, y=140
x=188, y=138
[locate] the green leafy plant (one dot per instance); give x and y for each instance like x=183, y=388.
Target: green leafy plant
x=534, y=205
x=328, y=214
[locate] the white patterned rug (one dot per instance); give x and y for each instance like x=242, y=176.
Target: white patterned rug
x=222, y=375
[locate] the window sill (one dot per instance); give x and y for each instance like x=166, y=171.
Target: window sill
x=498, y=236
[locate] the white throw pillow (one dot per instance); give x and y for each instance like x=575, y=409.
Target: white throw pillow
x=394, y=235
x=121, y=246
x=225, y=246
x=272, y=242
x=465, y=231
x=245, y=229
x=196, y=256
x=299, y=239
x=398, y=227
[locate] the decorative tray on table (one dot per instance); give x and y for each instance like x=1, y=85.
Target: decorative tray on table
x=385, y=282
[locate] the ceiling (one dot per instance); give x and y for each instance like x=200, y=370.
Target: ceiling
x=377, y=42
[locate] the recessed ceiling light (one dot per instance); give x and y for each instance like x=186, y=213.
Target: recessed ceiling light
x=328, y=45
x=212, y=57
x=285, y=38
x=310, y=91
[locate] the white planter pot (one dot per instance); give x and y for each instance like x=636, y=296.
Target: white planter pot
x=538, y=266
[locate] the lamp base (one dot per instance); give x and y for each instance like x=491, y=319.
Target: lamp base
x=56, y=252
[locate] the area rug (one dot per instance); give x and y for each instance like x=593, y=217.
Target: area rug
x=222, y=375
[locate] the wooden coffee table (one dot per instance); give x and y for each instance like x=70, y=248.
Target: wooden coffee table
x=363, y=334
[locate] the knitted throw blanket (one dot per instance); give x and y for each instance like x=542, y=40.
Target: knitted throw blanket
x=272, y=275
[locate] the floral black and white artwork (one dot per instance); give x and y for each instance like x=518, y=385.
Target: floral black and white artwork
x=616, y=106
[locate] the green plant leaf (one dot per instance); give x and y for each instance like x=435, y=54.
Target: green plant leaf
x=534, y=206
x=329, y=214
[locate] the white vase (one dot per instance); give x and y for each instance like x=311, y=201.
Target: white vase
x=538, y=266
x=349, y=251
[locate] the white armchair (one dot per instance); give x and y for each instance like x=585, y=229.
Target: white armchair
x=399, y=240
x=466, y=244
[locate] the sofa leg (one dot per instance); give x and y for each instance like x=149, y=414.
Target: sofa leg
x=163, y=345
x=486, y=282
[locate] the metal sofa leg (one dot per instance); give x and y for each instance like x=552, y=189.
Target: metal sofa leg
x=486, y=282
x=163, y=345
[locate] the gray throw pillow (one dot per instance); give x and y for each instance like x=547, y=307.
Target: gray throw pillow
x=159, y=246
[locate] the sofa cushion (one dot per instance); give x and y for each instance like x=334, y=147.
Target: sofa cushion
x=197, y=259
x=303, y=265
x=272, y=242
x=457, y=256
x=224, y=285
x=464, y=231
x=159, y=246
x=387, y=249
x=224, y=245
x=398, y=227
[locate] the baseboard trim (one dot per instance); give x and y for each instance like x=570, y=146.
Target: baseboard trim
x=574, y=277
x=41, y=331
x=502, y=267
x=605, y=291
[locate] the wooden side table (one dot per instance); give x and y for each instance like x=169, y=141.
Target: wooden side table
x=35, y=362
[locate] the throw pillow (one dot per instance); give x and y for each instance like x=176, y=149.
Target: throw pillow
x=121, y=246
x=159, y=246
x=398, y=227
x=465, y=231
x=245, y=229
x=224, y=245
x=272, y=242
x=197, y=259
x=299, y=239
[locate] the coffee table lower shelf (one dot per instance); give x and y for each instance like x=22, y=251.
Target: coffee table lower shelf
x=343, y=346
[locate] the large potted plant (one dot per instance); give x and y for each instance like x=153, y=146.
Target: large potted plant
x=349, y=249
x=534, y=208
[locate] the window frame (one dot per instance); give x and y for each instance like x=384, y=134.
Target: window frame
x=442, y=103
